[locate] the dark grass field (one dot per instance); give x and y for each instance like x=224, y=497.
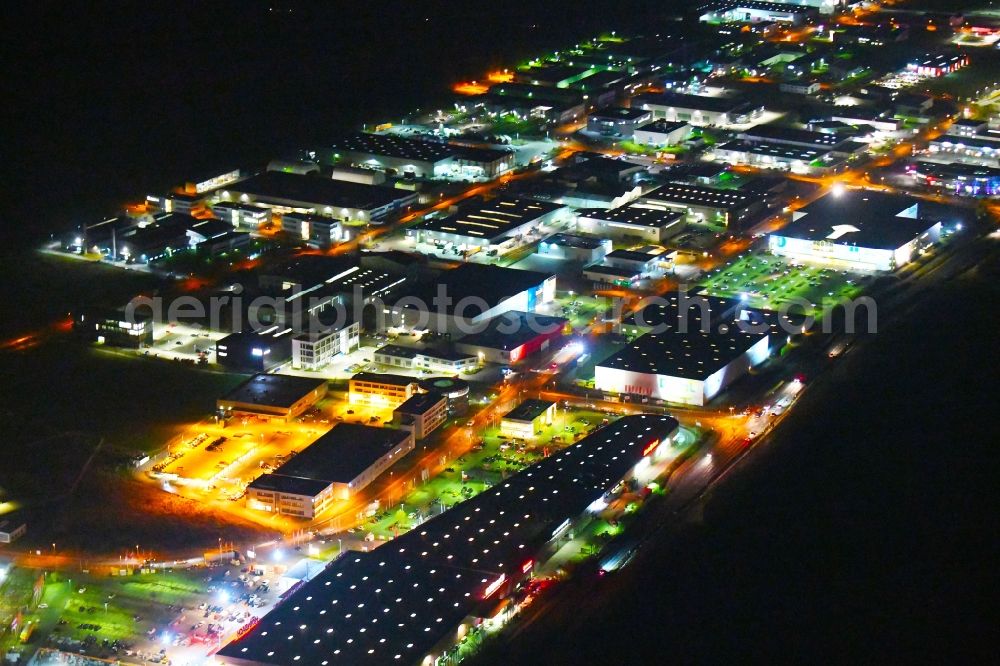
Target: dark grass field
x=865, y=532
x=58, y=402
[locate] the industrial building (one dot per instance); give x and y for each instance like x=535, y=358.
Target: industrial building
x=290, y=192
x=116, y=328
x=662, y=132
x=496, y=224
x=689, y=368
x=958, y=177
x=472, y=294
x=421, y=414
x=317, y=230
x=12, y=530
x=857, y=229
x=937, y=64
x=602, y=275
x=388, y=152
x=982, y=147
x=715, y=206
x=645, y=221
x=411, y=600
x=314, y=351
x=782, y=156
x=528, y=419
x=618, y=122
x=272, y=397
x=425, y=360
x=755, y=11
x=513, y=336
x=255, y=351
x=334, y=467
x=700, y=110
x=574, y=248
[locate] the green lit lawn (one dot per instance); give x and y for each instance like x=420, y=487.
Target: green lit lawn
x=769, y=282
x=580, y=310
x=487, y=464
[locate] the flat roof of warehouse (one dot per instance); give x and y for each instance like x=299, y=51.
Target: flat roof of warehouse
x=634, y=215
x=493, y=284
x=859, y=217
x=317, y=190
x=391, y=145
x=700, y=195
x=343, y=453
x=489, y=220
x=696, y=354
x=397, y=602
x=529, y=410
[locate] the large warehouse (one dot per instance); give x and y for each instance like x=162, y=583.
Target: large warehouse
x=291, y=192
x=486, y=224
x=695, y=348
x=473, y=294
x=409, y=601
x=857, y=229
x=334, y=467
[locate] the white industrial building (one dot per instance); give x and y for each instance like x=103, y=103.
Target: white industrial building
x=857, y=229
x=689, y=368
x=701, y=110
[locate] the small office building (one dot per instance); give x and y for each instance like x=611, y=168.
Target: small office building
x=272, y=397
x=12, y=530
x=334, y=467
x=314, y=351
x=528, y=419
x=381, y=389
x=116, y=328
x=422, y=414
x=317, y=230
